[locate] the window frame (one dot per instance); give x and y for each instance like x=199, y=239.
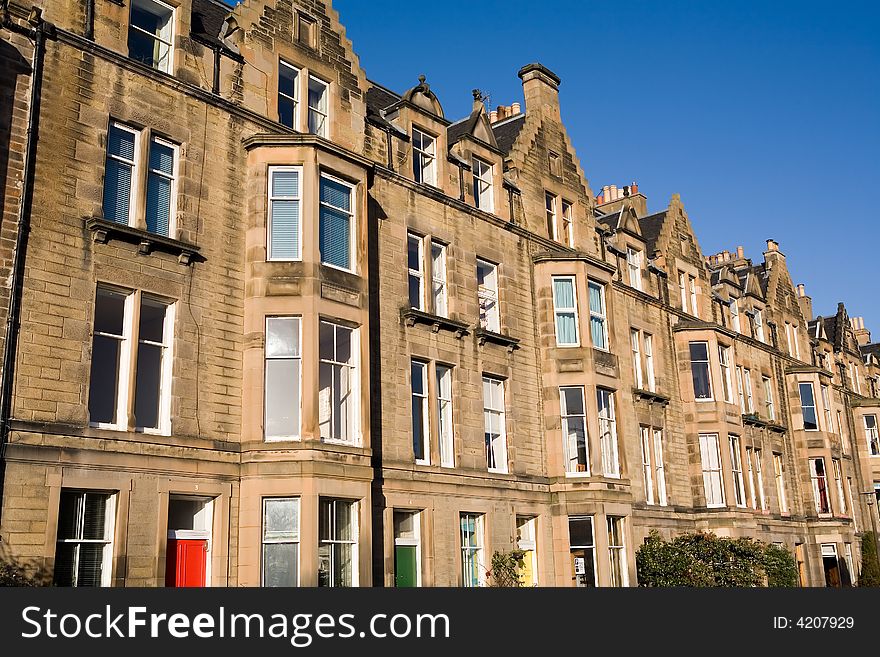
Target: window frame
x=501, y=414
x=401, y=541
x=779, y=476
x=801, y=388
x=484, y=184
x=487, y=294
x=445, y=438
x=708, y=367
x=736, y=468
x=645, y=440
x=599, y=316
x=270, y=201
x=824, y=392
x=282, y=437
x=439, y=304
x=134, y=166
x=591, y=548
x=293, y=100
x=837, y=470
x=109, y=531
x=294, y=539
x=724, y=361
x=618, y=571
x=529, y=543
x=324, y=130
x=354, y=377
x=352, y=224
x=819, y=484
x=635, y=339
x=420, y=153
x=872, y=434
x=166, y=367
x=608, y=440
x=713, y=472
x=634, y=267
x=417, y=274
x=566, y=310
x=168, y=41
x=472, y=554
x=565, y=418
x=648, y=342
x=660, y=469
x=353, y=509
x=425, y=413
x=769, y=405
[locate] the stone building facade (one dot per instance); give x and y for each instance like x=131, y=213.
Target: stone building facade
x=277, y=324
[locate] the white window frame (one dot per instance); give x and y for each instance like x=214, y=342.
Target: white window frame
x=294, y=100
x=572, y=310
x=484, y=188
x=568, y=223
x=550, y=206
x=419, y=273
x=167, y=360
x=527, y=541
x=425, y=158
x=608, y=433
x=838, y=480
x=617, y=551
x=753, y=489
x=682, y=290
x=270, y=200
x=736, y=467
x=424, y=397
x=649, y=361
x=768, y=398
x=660, y=469
x=565, y=415
x=353, y=374
x=487, y=294
x=322, y=110
x=726, y=381
x=439, y=286
x=826, y=407
x=740, y=389
x=735, y=322
x=779, y=475
x=635, y=339
x=109, y=533
x=801, y=385
x=133, y=165
x=281, y=537
x=498, y=412
x=873, y=435
x=710, y=458
x=815, y=479
x=352, y=223
x=166, y=39
x=708, y=365
x=634, y=266
x=172, y=204
x=647, y=467
x=472, y=554
x=750, y=400
x=353, y=508
x=127, y=344
x=592, y=548
x=759, y=325
x=692, y=288
x=445, y=431
x=600, y=316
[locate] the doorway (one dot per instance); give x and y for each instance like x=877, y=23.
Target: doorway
x=187, y=556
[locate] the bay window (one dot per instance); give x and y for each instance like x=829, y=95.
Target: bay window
x=337, y=223
x=710, y=459
x=607, y=433
x=699, y=353
x=565, y=311
x=284, y=228
x=280, y=544
x=598, y=322
x=283, y=378
x=574, y=430
x=337, y=543
x=338, y=383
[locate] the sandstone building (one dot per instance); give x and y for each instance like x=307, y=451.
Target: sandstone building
x=271, y=323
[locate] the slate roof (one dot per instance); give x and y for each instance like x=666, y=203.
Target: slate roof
x=207, y=19
x=507, y=131
x=611, y=220
x=378, y=98
x=650, y=226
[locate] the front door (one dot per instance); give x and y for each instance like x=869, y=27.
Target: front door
x=405, y=565
x=186, y=562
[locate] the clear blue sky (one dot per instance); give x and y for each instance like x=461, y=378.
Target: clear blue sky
x=763, y=115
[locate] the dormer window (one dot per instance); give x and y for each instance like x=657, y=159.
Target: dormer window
x=483, y=185
x=734, y=316
x=151, y=33
x=293, y=83
x=288, y=95
x=634, y=265
x=424, y=157
x=759, y=325
x=567, y=236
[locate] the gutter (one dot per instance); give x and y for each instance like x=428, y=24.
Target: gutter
x=39, y=31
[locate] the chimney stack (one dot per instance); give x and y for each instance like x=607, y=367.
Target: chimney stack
x=805, y=302
x=541, y=89
x=772, y=245
x=740, y=252
x=515, y=109
x=863, y=335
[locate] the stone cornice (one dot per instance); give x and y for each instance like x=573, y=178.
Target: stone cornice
x=303, y=139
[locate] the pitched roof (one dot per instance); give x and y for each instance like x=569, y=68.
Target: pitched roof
x=507, y=131
x=611, y=220
x=207, y=19
x=651, y=225
x=378, y=98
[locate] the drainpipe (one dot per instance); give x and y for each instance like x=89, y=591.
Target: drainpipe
x=215, y=88
x=38, y=33
x=90, y=20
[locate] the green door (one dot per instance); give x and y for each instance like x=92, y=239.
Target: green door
x=405, y=574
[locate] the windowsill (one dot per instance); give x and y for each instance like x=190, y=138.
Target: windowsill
x=413, y=316
x=282, y=439
x=341, y=443
x=651, y=395
x=704, y=401
x=753, y=420
x=496, y=471
x=103, y=231
x=120, y=429
x=484, y=336
x=578, y=475
x=338, y=268
x=575, y=345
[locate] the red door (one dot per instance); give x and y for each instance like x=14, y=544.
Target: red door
x=185, y=562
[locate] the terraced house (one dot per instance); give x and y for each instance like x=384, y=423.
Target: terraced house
x=271, y=323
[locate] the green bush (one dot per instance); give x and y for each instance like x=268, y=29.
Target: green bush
x=506, y=568
x=12, y=576
x=703, y=559
x=870, y=575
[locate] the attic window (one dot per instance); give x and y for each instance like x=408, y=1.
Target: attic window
x=555, y=165
x=306, y=30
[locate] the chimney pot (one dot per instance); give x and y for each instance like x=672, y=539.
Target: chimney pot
x=634, y=188
x=493, y=116
x=772, y=245
x=801, y=291
x=515, y=108
x=740, y=252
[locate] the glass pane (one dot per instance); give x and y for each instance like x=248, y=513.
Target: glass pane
x=563, y=292
x=148, y=386
x=68, y=515
x=596, y=304
x=580, y=531
x=415, y=292
x=418, y=427
x=699, y=351
x=90, y=564
x=281, y=518
x=336, y=194
x=282, y=337
x=103, y=379
x=161, y=157
x=566, y=328
x=326, y=338
x=158, y=210
x=285, y=112
x=280, y=564
x=152, y=321
x=342, y=564
x=117, y=191
x=282, y=398
x=335, y=238
x=285, y=183
x=573, y=401
x=325, y=399
x=109, y=311
x=287, y=81
x=65, y=557
x=404, y=524
x=344, y=528
x=94, y=517
x=343, y=344
x=326, y=520
x=142, y=47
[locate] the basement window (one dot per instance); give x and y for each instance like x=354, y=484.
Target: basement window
x=84, y=548
x=151, y=34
